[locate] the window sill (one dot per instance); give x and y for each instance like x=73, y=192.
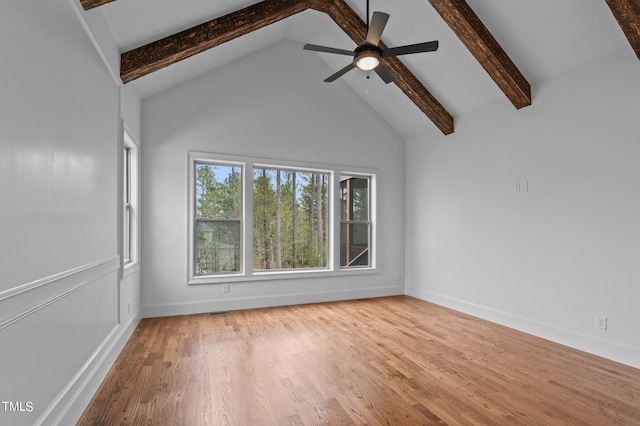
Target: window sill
x=280, y=275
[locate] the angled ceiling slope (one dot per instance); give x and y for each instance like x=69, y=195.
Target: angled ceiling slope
x=456, y=13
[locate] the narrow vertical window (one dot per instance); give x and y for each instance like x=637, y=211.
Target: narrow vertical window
x=218, y=218
x=126, y=253
x=129, y=201
x=355, y=221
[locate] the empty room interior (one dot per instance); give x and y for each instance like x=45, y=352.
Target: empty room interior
x=320, y=212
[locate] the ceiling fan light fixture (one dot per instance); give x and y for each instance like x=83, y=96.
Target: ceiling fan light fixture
x=369, y=55
x=367, y=61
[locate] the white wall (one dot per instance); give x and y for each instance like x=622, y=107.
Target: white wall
x=131, y=111
x=272, y=104
x=549, y=260
x=59, y=310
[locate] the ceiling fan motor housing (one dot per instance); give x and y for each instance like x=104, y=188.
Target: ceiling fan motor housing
x=367, y=56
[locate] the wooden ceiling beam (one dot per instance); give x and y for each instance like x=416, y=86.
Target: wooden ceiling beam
x=169, y=50
x=90, y=4
x=627, y=13
x=159, y=54
x=484, y=47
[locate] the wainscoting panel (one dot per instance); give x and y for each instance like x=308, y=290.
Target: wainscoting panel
x=51, y=330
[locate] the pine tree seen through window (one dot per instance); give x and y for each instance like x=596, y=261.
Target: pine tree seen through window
x=290, y=219
x=252, y=220
x=218, y=218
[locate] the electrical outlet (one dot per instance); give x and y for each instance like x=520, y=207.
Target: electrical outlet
x=601, y=322
x=225, y=288
x=521, y=187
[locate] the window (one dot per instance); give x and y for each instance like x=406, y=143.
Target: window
x=355, y=223
x=290, y=219
x=218, y=207
x=251, y=219
x=130, y=201
x=126, y=252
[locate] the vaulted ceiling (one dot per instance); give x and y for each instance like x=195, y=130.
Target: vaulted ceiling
x=487, y=49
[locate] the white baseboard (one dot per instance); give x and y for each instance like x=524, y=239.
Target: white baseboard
x=613, y=351
x=86, y=382
x=231, y=304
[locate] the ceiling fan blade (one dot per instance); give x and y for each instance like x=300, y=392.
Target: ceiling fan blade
x=378, y=22
x=340, y=73
x=325, y=49
x=384, y=73
x=430, y=46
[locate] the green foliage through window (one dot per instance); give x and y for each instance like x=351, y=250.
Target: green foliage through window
x=250, y=218
x=290, y=219
x=218, y=210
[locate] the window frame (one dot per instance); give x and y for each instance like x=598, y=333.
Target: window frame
x=247, y=273
x=328, y=242
x=130, y=201
x=194, y=219
x=368, y=221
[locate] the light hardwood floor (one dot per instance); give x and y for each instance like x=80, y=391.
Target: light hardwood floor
x=392, y=361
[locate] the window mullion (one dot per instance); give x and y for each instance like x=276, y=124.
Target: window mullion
x=247, y=215
x=372, y=221
x=334, y=237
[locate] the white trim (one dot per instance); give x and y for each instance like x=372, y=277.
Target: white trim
x=252, y=302
x=23, y=301
x=71, y=402
x=52, y=279
x=130, y=268
x=282, y=275
x=373, y=219
x=620, y=353
x=51, y=300
x=246, y=272
x=192, y=158
x=134, y=250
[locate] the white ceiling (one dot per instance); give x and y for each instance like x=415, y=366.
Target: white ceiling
x=543, y=38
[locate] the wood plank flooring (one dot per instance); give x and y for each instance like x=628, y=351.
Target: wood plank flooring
x=386, y=361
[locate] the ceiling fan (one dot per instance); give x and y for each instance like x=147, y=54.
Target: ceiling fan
x=369, y=55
